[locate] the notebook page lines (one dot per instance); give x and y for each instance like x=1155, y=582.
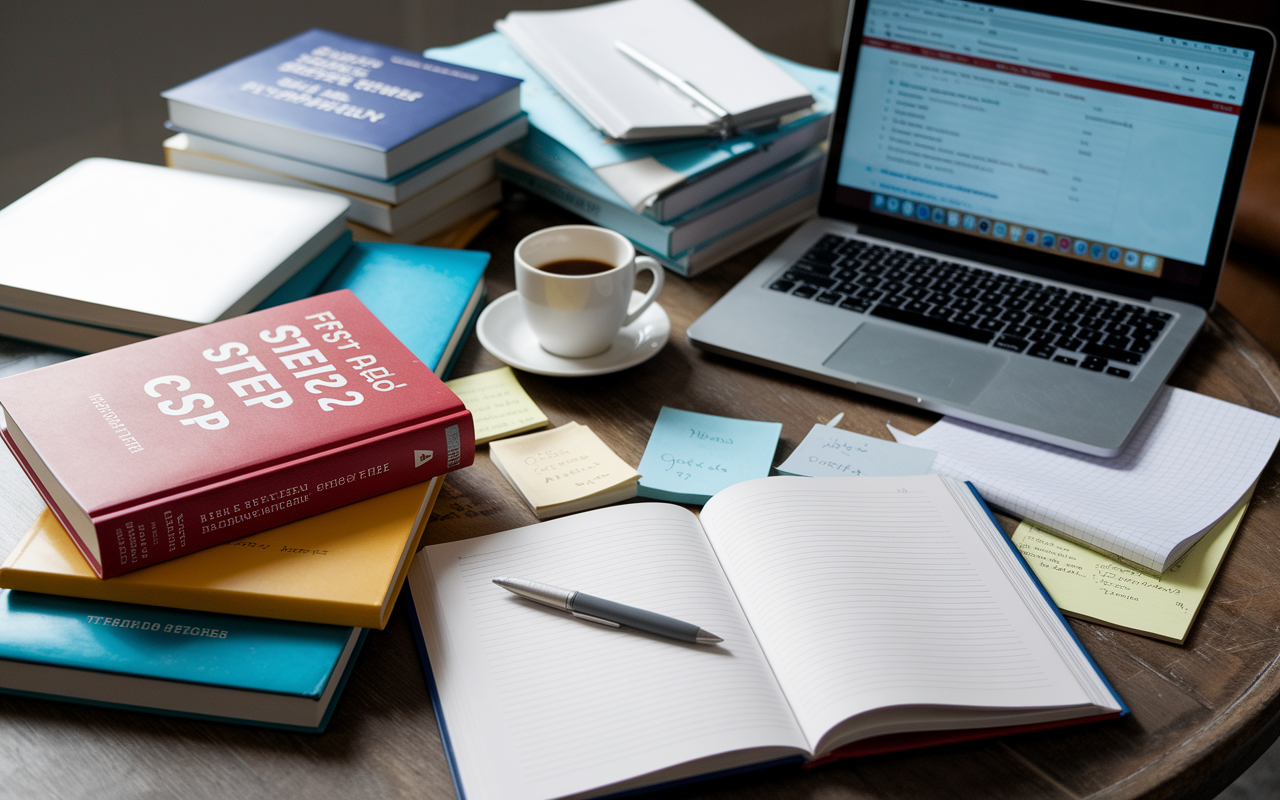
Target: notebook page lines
x=629, y=702
x=866, y=599
x=1191, y=459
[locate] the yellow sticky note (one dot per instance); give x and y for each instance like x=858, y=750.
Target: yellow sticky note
x=1091, y=586
x=498, y=404
x=564, y=470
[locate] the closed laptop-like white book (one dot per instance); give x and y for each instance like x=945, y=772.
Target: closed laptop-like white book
x=577, y=51
x=150, y=250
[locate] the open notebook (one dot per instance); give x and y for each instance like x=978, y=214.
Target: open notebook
x=851, y=609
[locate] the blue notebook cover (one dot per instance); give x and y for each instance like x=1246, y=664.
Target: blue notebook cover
x=427, y=296
x=293, y=658
x=173, y=647
x=342, y=88
x=307, y=280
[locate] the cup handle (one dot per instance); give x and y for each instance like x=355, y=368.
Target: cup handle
x=645, y=262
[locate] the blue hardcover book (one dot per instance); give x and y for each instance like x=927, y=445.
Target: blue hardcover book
x=167, y=661
x=345, y=103
x=429, y=297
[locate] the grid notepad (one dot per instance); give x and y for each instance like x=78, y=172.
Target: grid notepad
x=1189, y=462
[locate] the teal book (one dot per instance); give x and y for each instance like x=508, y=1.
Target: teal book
x=429, y=297
x=691, y=456
x=167, y=661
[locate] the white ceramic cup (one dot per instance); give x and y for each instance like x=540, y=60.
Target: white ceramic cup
x=576, y=316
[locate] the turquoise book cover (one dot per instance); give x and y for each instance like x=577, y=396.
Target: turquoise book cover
x=427, y=296
x=295, y=658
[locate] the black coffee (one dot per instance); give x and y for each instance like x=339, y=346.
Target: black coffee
x=576, y=266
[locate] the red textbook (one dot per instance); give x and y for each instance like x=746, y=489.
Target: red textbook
x=174, y=444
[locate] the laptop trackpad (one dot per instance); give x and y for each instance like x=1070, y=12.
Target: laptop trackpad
x=916, y=363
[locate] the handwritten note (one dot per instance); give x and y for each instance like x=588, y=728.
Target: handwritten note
x=1091, y=586
x=564, y=470
x=692, y=456
x=828, y=452
x=498, y=403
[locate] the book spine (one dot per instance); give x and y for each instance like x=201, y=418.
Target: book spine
x=644, y=231
x=169, y=527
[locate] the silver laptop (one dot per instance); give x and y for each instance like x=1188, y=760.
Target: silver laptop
x=1023, y=216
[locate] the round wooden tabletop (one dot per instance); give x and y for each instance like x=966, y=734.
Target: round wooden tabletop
x=1202, y=712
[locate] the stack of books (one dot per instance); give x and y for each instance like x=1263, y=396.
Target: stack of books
x=318, y=432
x=408, y=141
x=689, y=202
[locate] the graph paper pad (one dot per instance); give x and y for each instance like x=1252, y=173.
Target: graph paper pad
x=1187, y=465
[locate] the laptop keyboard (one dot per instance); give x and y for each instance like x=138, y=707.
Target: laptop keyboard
x=1072, y=328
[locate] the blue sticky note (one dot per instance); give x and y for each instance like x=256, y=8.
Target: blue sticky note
x=692, y=456
x=831, y=452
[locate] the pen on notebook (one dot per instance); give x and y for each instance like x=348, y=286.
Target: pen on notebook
x=607, y=612
x=683, y=86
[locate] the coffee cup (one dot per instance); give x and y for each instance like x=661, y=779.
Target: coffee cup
x=575, y=284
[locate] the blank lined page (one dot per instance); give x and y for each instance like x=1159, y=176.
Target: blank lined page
x=1188, y=464
x=874, y=592
x=541, y=704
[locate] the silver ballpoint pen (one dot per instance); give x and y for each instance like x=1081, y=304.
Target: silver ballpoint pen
x=607, y=612
x=724, y=126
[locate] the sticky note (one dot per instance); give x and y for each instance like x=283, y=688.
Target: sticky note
x=564, y=470
x=498, y=404
x=692, y=456
x=828, y=452
x=1092, y=586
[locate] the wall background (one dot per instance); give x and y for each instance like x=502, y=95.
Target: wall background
x=82, y=78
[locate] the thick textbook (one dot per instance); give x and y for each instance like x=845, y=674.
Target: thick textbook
x=118, y=245
x=342, y=567
x=662, y=178
x=577, y=51
x=344, y=103
x=858, y=614
x=184, y=663
x=393, y=190
x=386, y=217
x=168, y=446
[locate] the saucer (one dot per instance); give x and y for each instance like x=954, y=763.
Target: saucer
x=504, y=332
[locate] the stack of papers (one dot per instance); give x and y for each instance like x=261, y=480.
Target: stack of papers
x=1189, y=463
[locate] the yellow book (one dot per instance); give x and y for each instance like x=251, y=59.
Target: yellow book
x=1094, y=587
x=342, y=567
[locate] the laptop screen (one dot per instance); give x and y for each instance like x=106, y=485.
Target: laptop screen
x=1099, y=147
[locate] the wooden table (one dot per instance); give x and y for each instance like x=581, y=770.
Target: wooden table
x=1201, y=713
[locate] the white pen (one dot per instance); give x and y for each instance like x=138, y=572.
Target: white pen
x=607, y=612
x=725, y=126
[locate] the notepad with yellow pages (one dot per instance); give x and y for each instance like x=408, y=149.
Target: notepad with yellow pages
x=564, y=470
x=1091, y=586
x=342, y=567
x=499, y=405
x=858, y=615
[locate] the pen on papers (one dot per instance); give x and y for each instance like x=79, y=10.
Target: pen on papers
x=684, y=87
x=607, y=612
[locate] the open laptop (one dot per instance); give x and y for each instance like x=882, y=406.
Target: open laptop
x=1023, y=215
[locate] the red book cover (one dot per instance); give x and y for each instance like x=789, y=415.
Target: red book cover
x=174, y=444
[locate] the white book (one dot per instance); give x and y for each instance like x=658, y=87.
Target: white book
x=148, y=250
x=376, y=214
x=1186, y=466
x=576, y=50
x=850, y=609
x=394, y=190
